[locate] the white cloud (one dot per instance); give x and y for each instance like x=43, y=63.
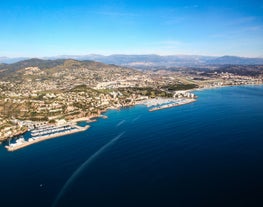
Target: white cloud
x=175, y=20
x=170, y=42
x=166, y=43
x=116, y=13
x=242, y=20
x=191, y=6
x=253, y=28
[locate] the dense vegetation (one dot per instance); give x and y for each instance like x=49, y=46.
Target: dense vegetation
x=179, y=87
x=145, y=91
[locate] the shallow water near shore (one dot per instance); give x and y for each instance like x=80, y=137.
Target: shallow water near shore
x=207, y=153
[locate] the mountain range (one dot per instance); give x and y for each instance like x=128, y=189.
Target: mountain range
x=153, y=61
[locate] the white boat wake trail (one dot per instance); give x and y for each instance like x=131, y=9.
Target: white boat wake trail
x=120, y=123
x=83, y=166
x=135, y=119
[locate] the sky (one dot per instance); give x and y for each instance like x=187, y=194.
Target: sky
x=43, y=28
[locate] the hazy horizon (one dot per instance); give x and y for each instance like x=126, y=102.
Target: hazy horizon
x=108, y=55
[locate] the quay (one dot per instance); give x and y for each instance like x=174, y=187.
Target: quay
x=32, y=140
x=170, y=105
x=164, y=103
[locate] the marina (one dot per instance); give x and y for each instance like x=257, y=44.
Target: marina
x=44, y=133
x=172, y=104
x=158, y=104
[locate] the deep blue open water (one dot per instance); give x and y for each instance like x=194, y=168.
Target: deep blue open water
x=207, y=153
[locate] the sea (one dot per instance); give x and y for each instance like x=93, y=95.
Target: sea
x=207, y=153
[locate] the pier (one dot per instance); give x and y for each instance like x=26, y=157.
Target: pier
x=33, y=140
x=170, y=105
x=164, y=103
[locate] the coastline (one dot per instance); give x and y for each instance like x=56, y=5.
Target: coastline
x=191, y=130
x=152, y=105
x=222, y=86
x=165, y=101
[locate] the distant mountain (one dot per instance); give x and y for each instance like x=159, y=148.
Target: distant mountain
x=145, y=61
x=155, y=61
x=150, y=61
x=233, y=60
x=11, y=60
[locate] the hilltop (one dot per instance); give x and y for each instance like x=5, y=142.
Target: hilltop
x=58, y=65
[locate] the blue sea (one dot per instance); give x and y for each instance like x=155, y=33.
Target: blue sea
x=207, y=153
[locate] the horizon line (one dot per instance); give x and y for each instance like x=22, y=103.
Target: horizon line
x=125, y=54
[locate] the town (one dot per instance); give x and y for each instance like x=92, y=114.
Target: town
x=42, y=92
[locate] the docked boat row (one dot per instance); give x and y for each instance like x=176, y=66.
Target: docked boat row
x=51, y=132
x=163, y=103
x=172, y=104
x=56, y=132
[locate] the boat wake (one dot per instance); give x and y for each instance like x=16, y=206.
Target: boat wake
x=120, y=123
x=135, y=119
x=85, y=165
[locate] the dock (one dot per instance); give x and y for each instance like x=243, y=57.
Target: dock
x=164, y=103
x=170, y=105
x=14, y=147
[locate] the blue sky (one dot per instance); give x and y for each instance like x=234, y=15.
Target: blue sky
x=166, y=27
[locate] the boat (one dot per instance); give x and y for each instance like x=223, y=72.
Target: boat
x=20, y=140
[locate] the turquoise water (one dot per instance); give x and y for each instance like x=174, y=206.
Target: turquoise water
x=207, y=153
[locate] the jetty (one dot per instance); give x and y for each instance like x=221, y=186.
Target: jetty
x=21, y=143
x=170, y=105
x=164, y=103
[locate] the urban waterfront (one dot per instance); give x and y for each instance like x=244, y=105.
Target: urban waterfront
x=207, y=153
